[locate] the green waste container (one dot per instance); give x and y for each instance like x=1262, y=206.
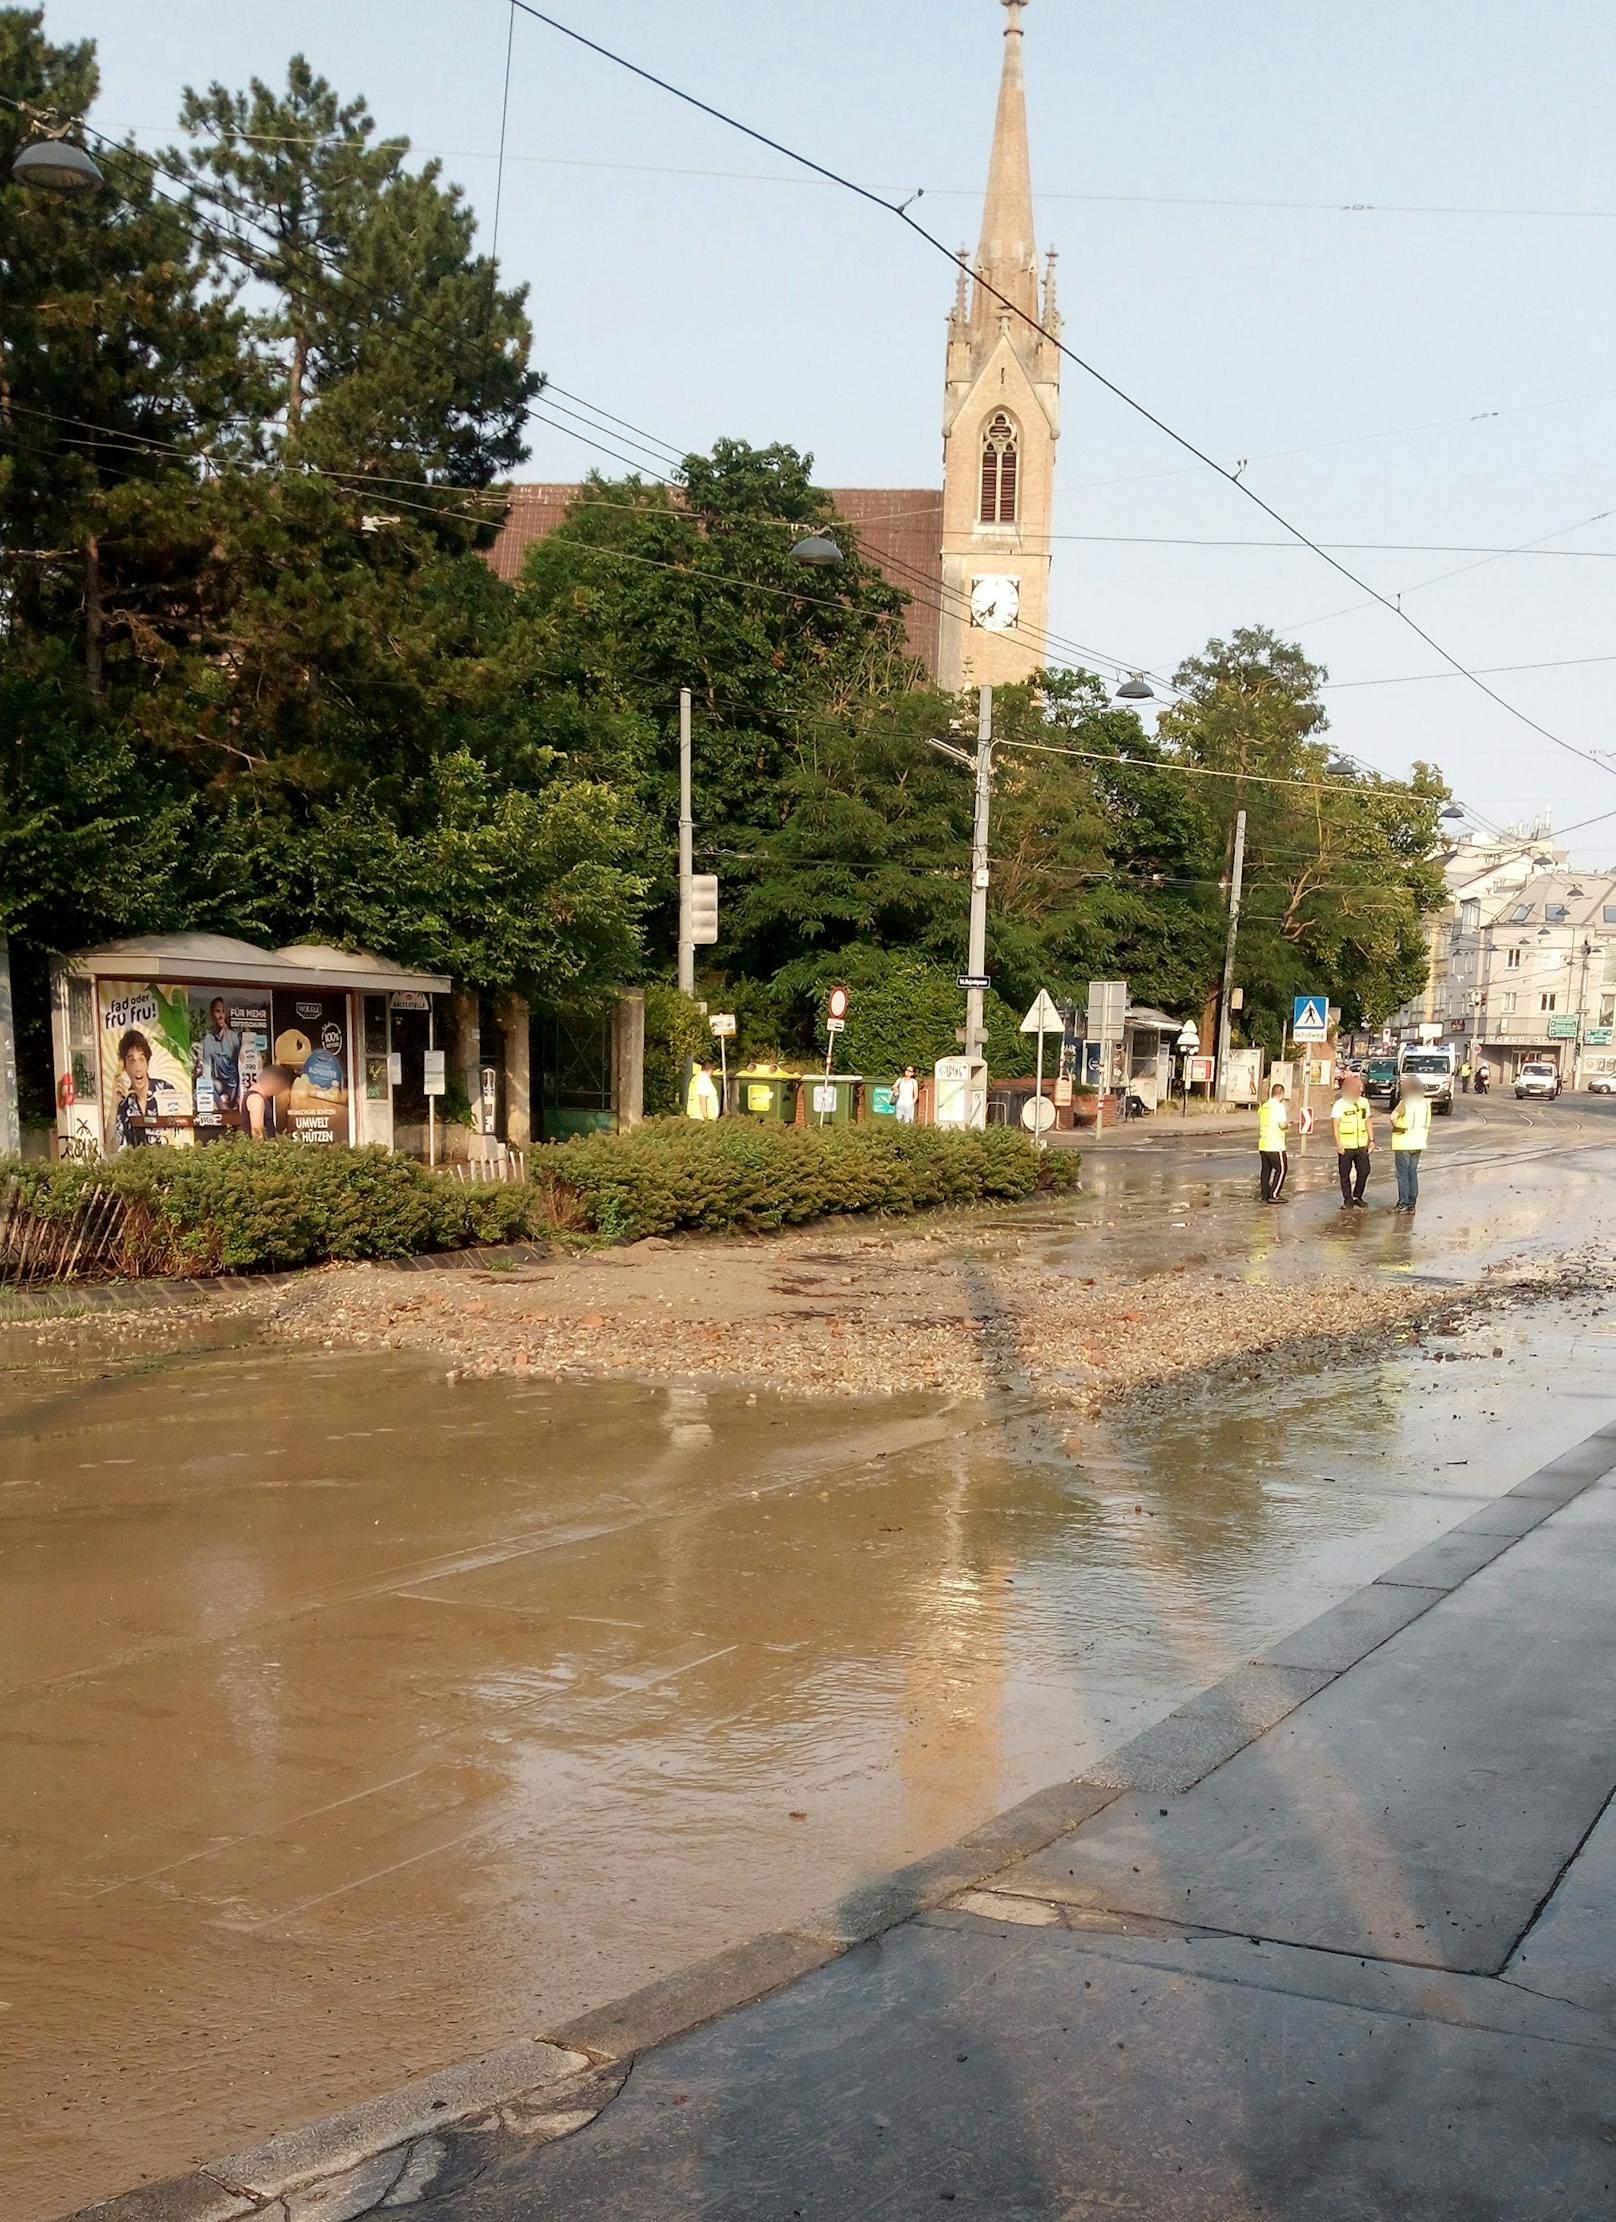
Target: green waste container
x=881, y=1101
x=831, y=1102
x=766, y=1095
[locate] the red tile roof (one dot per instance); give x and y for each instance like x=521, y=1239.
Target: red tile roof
x=900, y=529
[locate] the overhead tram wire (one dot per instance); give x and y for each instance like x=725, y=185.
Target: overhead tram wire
x=1359, y=207
x=1350, y=439
x=233, y=246
x=251, y=253
x=1118, y=759
x=232, y=212
x=901, y=210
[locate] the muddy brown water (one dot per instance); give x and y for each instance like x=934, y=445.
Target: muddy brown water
x=354, y=1723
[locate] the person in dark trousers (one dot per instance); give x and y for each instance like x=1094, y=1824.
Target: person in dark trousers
x=1354, y=1140
x=1272, y=1158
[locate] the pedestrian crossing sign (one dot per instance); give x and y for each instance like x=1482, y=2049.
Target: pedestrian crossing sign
x=1310, y=1021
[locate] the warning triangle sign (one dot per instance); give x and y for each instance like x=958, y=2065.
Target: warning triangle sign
x=1043, y=1018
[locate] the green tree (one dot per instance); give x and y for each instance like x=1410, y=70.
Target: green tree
x=645, y=590
x=120, y=371
x=256, y=674
x=389, y=345
x=1341, y=863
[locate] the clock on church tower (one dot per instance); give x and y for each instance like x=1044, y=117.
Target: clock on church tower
x=1001, y=420
x=995, y=603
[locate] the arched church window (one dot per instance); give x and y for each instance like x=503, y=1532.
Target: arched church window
x=999, y=471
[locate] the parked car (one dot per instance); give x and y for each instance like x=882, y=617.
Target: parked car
x=1434, y=1069
x=1380, y=1079
x=1539, y=1076
x=1602, y=1084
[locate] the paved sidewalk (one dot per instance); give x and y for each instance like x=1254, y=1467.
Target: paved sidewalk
x=1364, y=1967
x=1335, y=1941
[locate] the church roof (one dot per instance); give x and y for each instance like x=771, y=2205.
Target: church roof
x=900, y=530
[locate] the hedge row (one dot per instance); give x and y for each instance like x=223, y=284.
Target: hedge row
x=235, y=1209
x=754, y=1178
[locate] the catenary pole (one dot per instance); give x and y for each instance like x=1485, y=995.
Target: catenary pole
x=1236, y=879
x=687, y=838
x=977, y=958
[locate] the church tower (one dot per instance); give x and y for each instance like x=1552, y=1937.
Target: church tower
x=1001, y=421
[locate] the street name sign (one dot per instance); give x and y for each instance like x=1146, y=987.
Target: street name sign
x=1043, y=1018
x=1310, y=1019
x=975, y=980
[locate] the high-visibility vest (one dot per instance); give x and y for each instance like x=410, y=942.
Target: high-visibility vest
x=1271, y=1124
x=1411, y=1123
x=1352, y=1124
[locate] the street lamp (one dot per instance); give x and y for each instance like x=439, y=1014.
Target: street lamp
x=57, y=166
x=1135, y=689
x=817, y=550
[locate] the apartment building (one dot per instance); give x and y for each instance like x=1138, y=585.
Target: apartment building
x=1529, y=970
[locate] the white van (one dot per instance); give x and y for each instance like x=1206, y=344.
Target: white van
x=1434, y=1066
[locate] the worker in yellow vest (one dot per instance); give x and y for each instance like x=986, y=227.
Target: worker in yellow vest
x=1411, y=1130
x=1272, y=1156
x=1354, y=1129
x=701, y=1100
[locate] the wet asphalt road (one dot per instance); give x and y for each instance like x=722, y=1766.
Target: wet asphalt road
x=353, y=1726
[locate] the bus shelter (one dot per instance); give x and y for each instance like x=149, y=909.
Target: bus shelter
x=177, y=1041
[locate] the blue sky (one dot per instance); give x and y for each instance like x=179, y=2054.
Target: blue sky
x=704, y=305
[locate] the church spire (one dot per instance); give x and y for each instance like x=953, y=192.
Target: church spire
x=1008, y=255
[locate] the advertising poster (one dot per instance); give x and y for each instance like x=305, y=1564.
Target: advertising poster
x=145, y=1043
x=309, y=1046
x=229, y=1049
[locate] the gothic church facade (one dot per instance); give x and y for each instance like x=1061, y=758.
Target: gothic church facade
x=975, y=556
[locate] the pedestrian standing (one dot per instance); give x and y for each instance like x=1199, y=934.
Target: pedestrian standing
x=1411, y=1130
x=1272, y=1156
x=1354, y=1129
x=702, y=1100
x=906, y=1096
x=1464, y=1077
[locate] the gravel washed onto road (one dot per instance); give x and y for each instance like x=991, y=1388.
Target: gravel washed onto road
x=961, y=1314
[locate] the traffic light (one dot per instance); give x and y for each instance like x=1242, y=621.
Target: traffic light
x=704, y=909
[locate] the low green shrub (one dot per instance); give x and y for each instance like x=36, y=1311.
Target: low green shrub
x=240, y=1208
x=752, y=1178
x=243, y=1208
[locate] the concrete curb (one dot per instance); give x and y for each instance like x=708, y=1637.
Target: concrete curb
x=1170, y=1757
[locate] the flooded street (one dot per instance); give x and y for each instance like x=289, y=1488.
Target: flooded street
x=356, y=1723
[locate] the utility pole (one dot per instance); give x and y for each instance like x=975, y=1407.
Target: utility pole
x=1582, y=1016
x=977, y=957
x=687, y=859
x=1236, y=879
